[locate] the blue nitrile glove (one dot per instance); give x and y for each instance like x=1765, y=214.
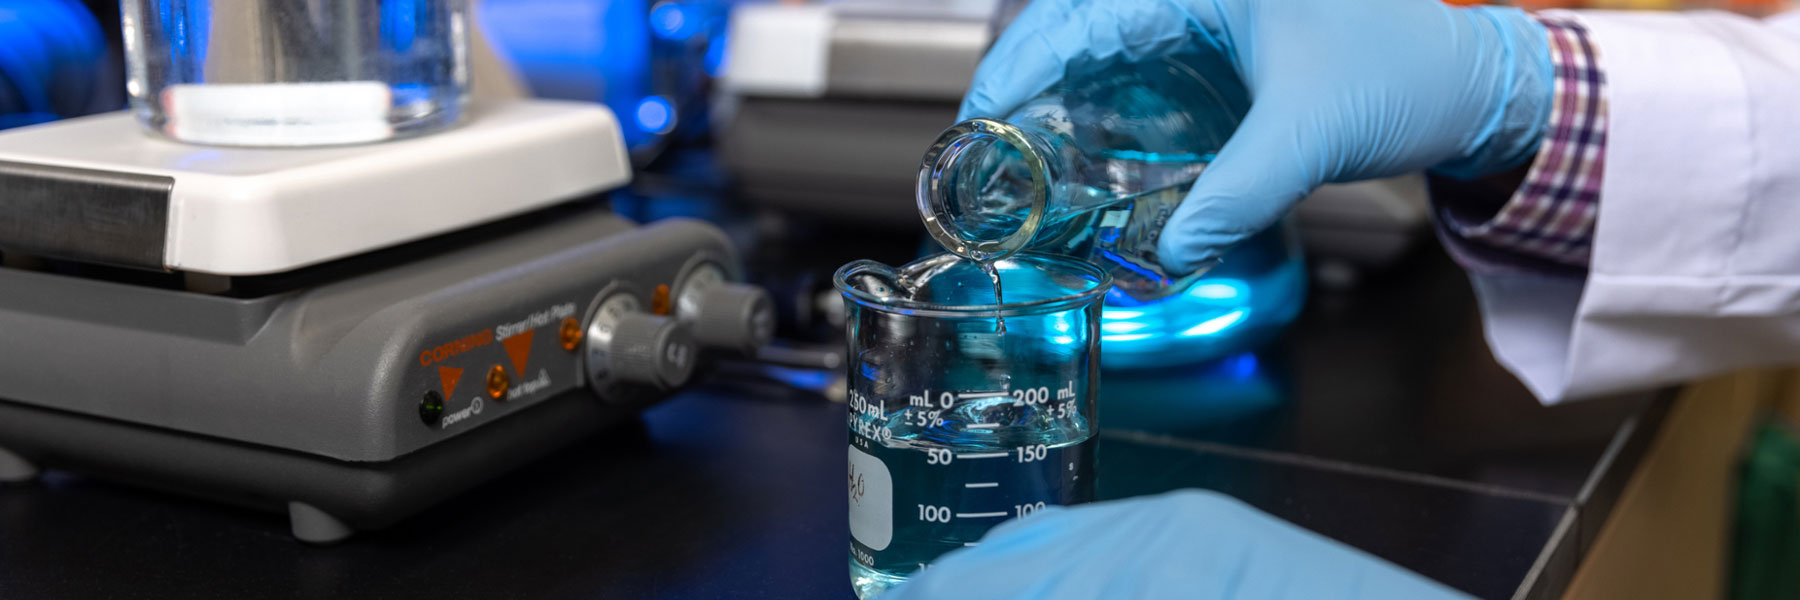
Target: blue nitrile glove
x=1190, y=544
x=1341, y=91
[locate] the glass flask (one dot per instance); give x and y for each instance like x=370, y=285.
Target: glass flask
x=958, y=423
x=295, y=72
x=1092, y=167
x=1256, y=289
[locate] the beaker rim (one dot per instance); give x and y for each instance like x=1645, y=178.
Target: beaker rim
x=1102, y=279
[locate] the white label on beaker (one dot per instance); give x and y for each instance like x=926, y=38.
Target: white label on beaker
x=279, y=114
x=871, y=501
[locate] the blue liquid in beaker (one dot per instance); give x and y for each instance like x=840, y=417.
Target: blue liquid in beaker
x=956, y=426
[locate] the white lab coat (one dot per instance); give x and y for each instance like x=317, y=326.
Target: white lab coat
x=1696, y=263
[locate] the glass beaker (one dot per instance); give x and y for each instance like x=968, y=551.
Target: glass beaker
x=1092, y=167
x=957, y=424
x=295, y=72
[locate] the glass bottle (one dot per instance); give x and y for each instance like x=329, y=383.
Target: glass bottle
x=1092, y=167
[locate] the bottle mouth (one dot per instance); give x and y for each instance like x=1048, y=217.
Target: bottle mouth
x=961, y=168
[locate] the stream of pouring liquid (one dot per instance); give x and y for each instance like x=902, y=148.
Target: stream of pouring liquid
x=994, y=275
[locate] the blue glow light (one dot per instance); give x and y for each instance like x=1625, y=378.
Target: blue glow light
x=1063, y=340
x=1242, y=366
x=197, y=159
x=1114, y=260
x=655, y=114
x=410, y=93
x=1236, y=306
x=399, y=24
x=714, y=61
x=674, y=21
x=46, y=45
x=1107, y=236
x=579, y=50
x=1216, y=324
x=806, y=379
x=1224, y=289
x=1122, y=326
x=9, y=121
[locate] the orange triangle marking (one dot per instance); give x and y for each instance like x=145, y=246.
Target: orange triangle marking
x=449, y=376
x=519, y=348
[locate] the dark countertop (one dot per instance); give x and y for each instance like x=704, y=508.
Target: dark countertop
x=1380, y=420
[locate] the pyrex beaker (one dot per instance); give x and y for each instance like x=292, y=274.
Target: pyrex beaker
x=957, y=423
x=295, y=72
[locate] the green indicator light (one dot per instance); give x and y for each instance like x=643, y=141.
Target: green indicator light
x=431, y=409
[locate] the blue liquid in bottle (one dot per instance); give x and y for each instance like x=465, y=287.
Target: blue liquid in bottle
x=1095, y=168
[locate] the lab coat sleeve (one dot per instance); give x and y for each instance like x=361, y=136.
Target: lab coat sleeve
x=1696, y=261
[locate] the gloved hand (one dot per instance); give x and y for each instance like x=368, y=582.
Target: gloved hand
x=1341, y=91
x=1188, y=544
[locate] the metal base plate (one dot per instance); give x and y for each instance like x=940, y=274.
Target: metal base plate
x=337, y=496
x=97, y=189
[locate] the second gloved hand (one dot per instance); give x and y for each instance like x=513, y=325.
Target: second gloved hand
x=1192, y=545
x=1341, y=91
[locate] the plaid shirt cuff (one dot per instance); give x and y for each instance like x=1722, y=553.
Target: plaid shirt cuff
x=1551, y=216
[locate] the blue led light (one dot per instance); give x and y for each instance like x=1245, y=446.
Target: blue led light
x=1127, y=337
x=655, y=114
x=1111, y=314
x=674, y=21
x=1216, y=324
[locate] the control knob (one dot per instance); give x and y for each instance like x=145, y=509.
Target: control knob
x=723, y=314
x=624, y=344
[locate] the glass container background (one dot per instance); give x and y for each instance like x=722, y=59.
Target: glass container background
x=295, y=72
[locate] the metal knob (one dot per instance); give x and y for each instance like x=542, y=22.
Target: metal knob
x=733, y=315
x=652, y=350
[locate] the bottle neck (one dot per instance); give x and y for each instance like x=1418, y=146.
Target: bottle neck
x=983, y=188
